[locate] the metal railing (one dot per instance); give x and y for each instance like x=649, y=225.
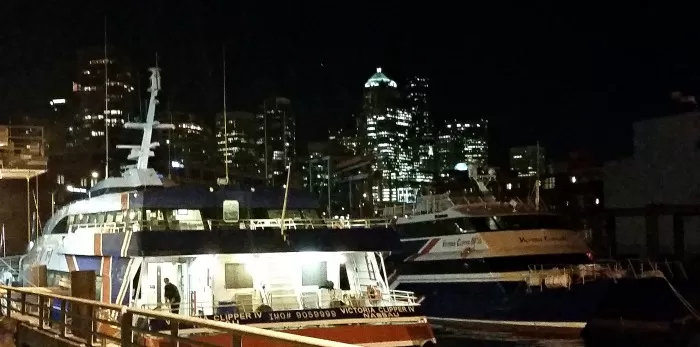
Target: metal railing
x=255, y=298
x=471, y=204
x=96, y=323
x=630, y=268
x=248, y=224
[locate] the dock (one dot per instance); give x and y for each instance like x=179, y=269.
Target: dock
x=37, y=317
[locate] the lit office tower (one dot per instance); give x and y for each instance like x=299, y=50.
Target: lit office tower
x=278, y=139
x=462, y=142
x=103, y=89
x=244, y=136
x=385, y=131
x=189, y=151
x=524, y=160
x=416, y=98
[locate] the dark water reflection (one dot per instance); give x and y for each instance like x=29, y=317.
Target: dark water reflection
x=469, y=338
x=493, y=339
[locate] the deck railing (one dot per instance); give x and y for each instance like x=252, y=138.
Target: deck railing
x=389, y=298
x=471, y=204
x=95, y=323
x=247, y=224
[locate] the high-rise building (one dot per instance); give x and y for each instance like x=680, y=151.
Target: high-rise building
x=462, y=142
x=527, y=161
x=188, y=149
x=385, y=133
x=244, y=135
x=278, y=139
x=342, y=141
x=422, y=136
x=103, y=91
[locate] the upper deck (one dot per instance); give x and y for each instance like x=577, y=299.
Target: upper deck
x=465, y=204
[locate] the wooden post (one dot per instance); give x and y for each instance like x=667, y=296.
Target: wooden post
x=82, y=286
x=678, y=237
x=651, y=218
x=126, y=325
x=9, y=302
x=610, y=226
x=62, y=323
x=38, y=275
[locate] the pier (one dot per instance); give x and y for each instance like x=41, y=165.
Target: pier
x=38, y=318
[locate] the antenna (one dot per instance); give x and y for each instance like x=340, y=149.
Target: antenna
x=106, y=113
x=537, y=179
x=225, y=118
x=142, y=152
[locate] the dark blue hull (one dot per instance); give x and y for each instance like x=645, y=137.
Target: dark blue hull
x=512, y=303
x=508, y=301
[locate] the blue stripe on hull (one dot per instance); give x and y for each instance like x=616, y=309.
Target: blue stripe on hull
x=118, y=278
x=91, y=263
x=508, y=301
x=112, y=244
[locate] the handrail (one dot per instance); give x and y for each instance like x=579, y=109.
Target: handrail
x=249, y=224
x=124, y=321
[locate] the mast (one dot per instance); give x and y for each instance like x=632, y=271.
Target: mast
x=225, y=118
x=106, y=113
x=537, y=179
x=142, y=152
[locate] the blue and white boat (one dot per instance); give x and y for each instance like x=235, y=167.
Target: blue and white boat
x=476, y=261
x=260, y=257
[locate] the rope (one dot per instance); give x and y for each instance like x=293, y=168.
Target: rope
x=685, y=302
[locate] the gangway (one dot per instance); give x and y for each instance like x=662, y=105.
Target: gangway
x=46, y=319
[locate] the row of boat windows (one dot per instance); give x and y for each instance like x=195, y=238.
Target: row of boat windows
x=159, y=219
x=465, y=225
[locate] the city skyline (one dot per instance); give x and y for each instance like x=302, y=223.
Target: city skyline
x=534, y=74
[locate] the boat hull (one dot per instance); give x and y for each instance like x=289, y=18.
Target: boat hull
x=512, y=306
x=390, y=335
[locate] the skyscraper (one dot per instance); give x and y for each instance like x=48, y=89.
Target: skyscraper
x=527, y=161
x=187, y=150
x=462, y=142
x=385, y=134
x=422, y=136
x=103, y=89
x=244, y=134
x=278, y=139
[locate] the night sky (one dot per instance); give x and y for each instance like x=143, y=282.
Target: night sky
x=568, y=76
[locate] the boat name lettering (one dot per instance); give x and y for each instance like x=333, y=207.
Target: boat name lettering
x=321, y=314
x=542, y=239
x=236, y=317
x=461, y=242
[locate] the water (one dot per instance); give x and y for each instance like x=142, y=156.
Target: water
x=494, y=339
x=470, y=338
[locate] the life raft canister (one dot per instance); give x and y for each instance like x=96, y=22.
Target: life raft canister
x=373, y=293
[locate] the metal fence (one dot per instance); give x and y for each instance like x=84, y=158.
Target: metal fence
x=95, y=323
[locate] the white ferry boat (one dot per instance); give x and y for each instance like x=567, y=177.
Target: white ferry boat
x=277, y=268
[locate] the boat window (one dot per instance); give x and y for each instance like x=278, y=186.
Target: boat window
x=92, y=219
x=231, y=211
x=450, y=226
x=310, y=214
x=100, y=218
x=119, y=217
x=110, y=217
x=61, y=227
x=314, y=274
x=534, y=221
x=344, y=279
x=185, y=220
x=236, y=276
